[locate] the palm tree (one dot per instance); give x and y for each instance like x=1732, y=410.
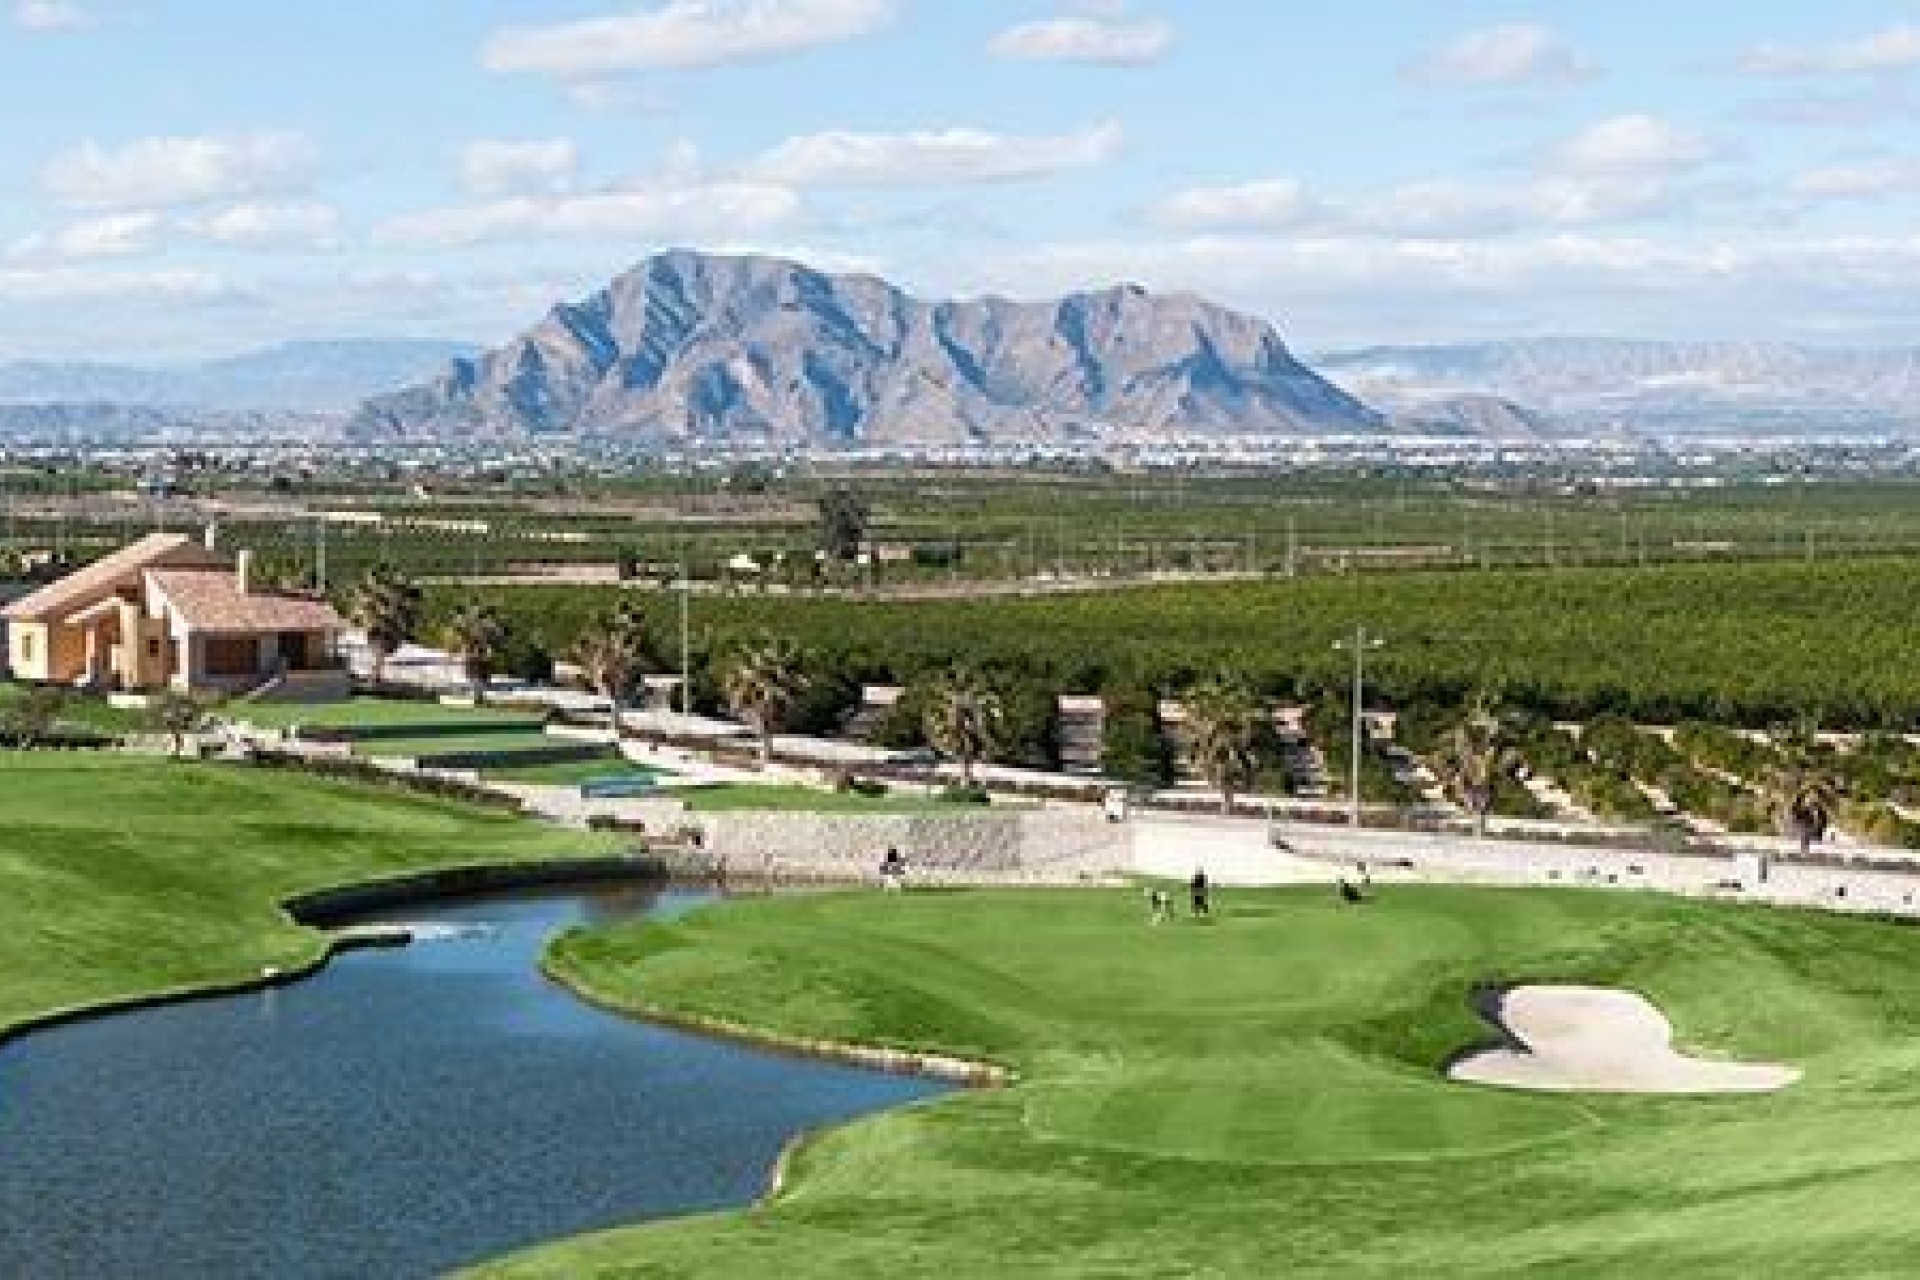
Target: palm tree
x=612, y=656
x=386, y=605
x=1471, y=759
x=477, y=635
x=966, y=718
x=761, y=686
x=177, y=715
x=1804, y=797
x=1224, y=723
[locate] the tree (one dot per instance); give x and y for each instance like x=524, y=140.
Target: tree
x=843, y=524
x=1471, y=759
x=1225, y=720
x=178, y=715
x=612, y=656
x=762, y=684
x=33, y=716
x=1803, y=796
x=477, y=634
x=966, y=719
x=387, y=606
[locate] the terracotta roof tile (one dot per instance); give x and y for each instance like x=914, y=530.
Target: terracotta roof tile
x=83, y=586
x=211, y=600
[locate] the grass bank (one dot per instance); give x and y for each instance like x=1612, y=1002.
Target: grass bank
x=127, y=877
x=1261, y=1097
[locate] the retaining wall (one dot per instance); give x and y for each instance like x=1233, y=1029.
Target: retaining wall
x=1034, y=846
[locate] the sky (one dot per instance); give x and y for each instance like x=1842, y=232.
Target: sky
x=185, y=178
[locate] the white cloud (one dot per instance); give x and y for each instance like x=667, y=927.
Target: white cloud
x=1631, y=144
x=1263, y=204
x=164, y=172
x=519, y=167
x=45, y=16
x=660, y=211
x=1520, y=53
x=932, y=157
x=114, y=235
x=258, y=225
x=1895, y=49
x=61, y=284
x=1339, y=289
x=1437, y=209
x=1104, y=40
x=682, y=34
x=1857, y=180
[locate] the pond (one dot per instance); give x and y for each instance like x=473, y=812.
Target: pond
x=400, y=1113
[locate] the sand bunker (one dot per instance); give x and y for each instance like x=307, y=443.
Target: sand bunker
x=1594, y=1040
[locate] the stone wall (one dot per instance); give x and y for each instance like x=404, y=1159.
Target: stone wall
x=1036, y=846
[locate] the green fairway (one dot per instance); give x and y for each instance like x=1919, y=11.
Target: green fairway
x=123, y=877
x=1261, y=1096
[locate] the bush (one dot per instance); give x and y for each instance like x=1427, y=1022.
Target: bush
x=1134, y=746
x=958, y=794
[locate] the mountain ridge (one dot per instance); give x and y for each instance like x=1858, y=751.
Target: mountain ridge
x=693, y=347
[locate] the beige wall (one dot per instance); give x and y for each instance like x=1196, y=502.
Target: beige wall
x=42, y=652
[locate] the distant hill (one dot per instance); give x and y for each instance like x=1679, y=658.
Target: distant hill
x=696, y=348
x=297, y=377
x=1668, y=388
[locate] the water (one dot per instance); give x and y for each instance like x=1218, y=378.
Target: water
x=399, y=1114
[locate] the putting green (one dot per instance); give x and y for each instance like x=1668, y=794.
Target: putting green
x=1262, y=1096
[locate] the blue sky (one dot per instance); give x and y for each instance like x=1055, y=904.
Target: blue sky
x=189, y=177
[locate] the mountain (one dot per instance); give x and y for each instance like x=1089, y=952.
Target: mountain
x=298, y=376
x=1471, y=415
x=1669, y=388
x=690, y=348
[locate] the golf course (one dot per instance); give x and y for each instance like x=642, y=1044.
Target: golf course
x=123, y=878
x=1259, y=1094
x=1263, y=1094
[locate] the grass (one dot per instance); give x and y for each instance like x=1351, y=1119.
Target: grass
x=372, y=713
x=84, y=713
x=500, y=742
x=575, y=772
x=1260, y=1097
x=122, y=876
x=751, y=797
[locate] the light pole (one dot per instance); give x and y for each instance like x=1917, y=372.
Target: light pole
x=1361, y=642
x=686, y=647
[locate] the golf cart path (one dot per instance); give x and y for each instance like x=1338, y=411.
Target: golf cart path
x=1598, y=1040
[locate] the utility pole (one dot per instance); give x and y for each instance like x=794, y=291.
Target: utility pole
x=1293, y=546
x=320, y=556
x=1361, y=642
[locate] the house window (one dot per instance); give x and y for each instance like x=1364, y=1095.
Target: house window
x=153, y=646
x=26, y=647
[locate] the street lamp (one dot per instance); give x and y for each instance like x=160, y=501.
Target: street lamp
x=1361, y=641
x=685, y=586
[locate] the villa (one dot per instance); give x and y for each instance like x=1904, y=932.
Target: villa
x=170, y=612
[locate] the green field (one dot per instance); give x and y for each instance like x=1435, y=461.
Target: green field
x=123, y=876
x=82, y=714
x=1746, y=643
x=1004, y=524
x=1260, y=1097
x=376, y=714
